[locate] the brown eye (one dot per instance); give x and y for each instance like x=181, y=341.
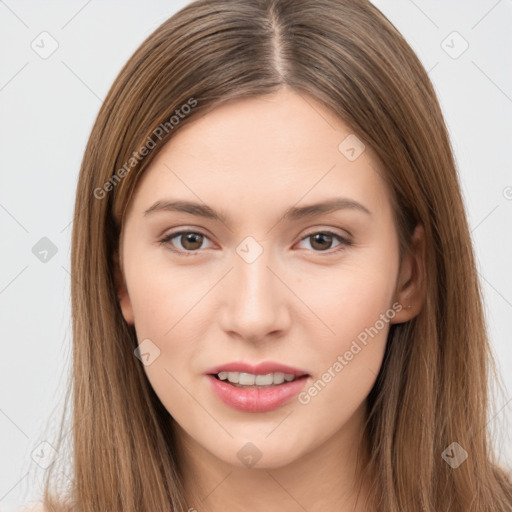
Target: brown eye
x=321, y=241
x=190, y=241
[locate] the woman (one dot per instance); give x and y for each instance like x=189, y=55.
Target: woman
x=275, y=301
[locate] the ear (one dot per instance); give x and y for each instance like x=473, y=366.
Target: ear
x=122, y=291
x=410, y=288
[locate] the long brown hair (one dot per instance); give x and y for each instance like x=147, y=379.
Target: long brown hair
x=432, y=389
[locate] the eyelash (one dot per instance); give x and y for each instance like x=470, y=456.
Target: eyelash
x=344, y=242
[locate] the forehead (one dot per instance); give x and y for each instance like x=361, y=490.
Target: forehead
x=256, y=152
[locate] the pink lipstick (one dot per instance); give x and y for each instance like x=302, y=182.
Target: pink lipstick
x=256, y=388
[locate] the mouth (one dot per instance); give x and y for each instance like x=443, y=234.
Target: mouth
x=254, y=392
x=257, y=381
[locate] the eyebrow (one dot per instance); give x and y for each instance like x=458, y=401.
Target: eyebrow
x=293, y=213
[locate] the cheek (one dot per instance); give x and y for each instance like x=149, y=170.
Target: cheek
x=362, y=297
x=360, y=310
x=163, y=308
x=351, y=296
x=161, y=292
x=358, y=315
x=357, y=305
x=163, y=302
x=347, y=362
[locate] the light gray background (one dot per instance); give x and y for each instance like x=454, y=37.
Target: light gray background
x=47, y=108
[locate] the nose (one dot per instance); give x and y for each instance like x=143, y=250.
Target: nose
x=256, y=301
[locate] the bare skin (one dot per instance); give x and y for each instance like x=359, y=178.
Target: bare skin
x=302, y=302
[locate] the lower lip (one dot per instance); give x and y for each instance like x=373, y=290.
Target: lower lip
x=256, y=400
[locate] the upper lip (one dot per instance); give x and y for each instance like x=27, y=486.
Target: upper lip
x=257, y=369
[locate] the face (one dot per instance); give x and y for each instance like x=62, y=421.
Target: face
x=270, y=280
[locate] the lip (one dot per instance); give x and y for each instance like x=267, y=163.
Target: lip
x=258, y=369
x=256, y=400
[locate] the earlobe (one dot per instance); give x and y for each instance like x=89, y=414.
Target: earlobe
x=410, y=288
x=122, y=292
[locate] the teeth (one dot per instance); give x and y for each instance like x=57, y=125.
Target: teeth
x=279, y=378
x=249, y=379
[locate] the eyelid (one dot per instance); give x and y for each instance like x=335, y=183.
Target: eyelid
x=346, y=237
